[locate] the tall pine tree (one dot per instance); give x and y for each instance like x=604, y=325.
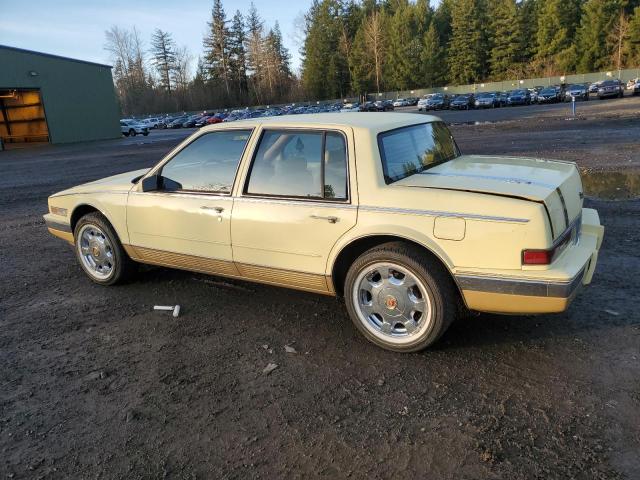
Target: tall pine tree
x=163, y=56
x=216, y=47
x=466, y=53
x=506, y=49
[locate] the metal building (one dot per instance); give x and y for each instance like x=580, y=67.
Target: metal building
x=48, y=98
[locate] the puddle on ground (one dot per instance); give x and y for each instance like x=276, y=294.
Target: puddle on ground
x=611, y=185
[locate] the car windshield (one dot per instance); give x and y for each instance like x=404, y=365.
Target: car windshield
x=548, y=90
x=574, y=87
x=486, y=95
x=413, y=149
x=518, y=92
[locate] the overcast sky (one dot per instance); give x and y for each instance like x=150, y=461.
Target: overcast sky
x=75, y=28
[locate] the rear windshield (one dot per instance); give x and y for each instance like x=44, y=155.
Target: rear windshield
x=415, y=148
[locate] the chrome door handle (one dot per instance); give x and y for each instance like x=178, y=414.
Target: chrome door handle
x=329, y=219
x=217, y=209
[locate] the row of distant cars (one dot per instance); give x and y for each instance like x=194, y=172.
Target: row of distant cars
x=433, y=101
x=208, y=118
x=528, y=96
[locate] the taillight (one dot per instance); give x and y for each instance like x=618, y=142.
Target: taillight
x=537, y=257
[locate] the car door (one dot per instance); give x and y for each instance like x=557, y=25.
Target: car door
x=187, y=223
x=295, y=203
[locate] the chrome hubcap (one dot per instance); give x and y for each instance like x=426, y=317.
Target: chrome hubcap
x=392, y=302
x=96, y=252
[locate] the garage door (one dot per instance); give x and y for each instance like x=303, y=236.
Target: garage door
x=22, y=117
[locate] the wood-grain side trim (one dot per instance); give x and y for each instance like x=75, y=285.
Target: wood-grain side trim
x=183, y=261
x=67, y=236
x=255, y=273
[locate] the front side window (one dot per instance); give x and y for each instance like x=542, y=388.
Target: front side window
x=209, y=163
x=300, y=164
x=415, y=148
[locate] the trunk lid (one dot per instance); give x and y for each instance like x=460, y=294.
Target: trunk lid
x=556, y=184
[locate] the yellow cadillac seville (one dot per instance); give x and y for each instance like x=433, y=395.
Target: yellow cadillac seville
x=382, y=209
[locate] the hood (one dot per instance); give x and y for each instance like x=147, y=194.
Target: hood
x=555, y=184
x=115, y=183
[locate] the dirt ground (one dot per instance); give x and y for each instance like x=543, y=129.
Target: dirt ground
x=93, y=384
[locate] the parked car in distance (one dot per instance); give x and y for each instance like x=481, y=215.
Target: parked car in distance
x=130, y=127
x=486, y=100
x=635, y=89
x=549, y=95
x=351, y=107
x=177, y=122
x=400, y=102
x=509, y=236
x=577, y=91
x=438, y=101
x=632, y=83
x=422, y=103
x=519, y=97
x=383, y=105
x=611, y=88
x=412, y=101
x=593, y=88
x=462, y=102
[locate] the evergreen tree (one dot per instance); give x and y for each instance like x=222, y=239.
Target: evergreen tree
x=403, y=53
x=466, y=47
x=216, y=47
x=505, y=52
x=432, y=73
x=528, y=24
x=325, y=72
x=598, y=19
x=632, y=42
x=557, y=24
x=163, y=56
x=237, y=54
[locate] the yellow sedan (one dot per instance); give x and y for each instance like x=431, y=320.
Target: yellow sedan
x=381, y=209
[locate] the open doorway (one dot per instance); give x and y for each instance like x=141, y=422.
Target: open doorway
x=22, y=118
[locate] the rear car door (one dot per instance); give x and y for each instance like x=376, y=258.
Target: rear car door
x=296, y=202
x=191, y=217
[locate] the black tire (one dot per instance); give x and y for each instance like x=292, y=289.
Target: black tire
x=132, y=132
x=437, y=282
x=126, y=134
x=123, y=267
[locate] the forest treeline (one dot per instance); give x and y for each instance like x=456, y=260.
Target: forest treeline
x=355, y=47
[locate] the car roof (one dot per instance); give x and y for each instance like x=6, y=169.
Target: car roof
x=368, y=120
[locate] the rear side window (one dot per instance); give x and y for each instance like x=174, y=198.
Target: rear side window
x=412, y=149
x=300, y=164
x=209, y=163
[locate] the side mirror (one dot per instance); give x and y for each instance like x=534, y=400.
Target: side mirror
x=151, y=184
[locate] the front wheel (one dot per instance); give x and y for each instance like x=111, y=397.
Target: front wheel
x=132, y=132
x=399, y=298
x=99, y=251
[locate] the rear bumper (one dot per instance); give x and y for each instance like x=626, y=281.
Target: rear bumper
x=547, y=291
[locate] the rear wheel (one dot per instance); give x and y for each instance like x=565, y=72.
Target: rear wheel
x=100, y=252
x=399, y=298
x=132, y=132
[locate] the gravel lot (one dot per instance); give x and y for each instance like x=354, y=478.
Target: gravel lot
x=93, y=384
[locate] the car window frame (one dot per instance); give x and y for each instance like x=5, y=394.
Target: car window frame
x=157, y=170
x=245, y=193
x=382, y=154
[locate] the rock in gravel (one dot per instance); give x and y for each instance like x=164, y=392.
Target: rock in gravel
x=290, y=349
x=131, y=416
x=269, y=368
